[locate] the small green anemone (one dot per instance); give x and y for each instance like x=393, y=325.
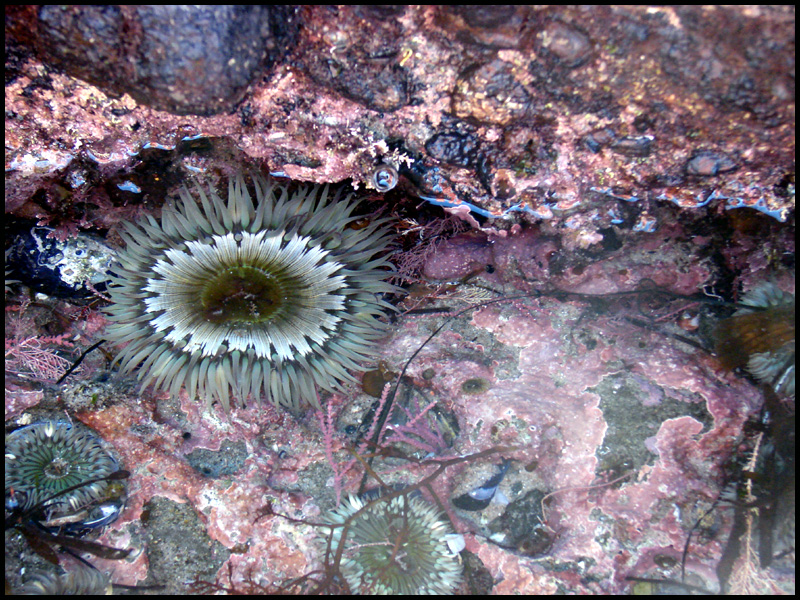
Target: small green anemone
x=83, y=582
x=399, y=546
x=46, y=458
x=475, y=385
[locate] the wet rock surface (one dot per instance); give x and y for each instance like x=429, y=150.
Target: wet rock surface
x=184, y=60
x=558, y=162
x=499, y=110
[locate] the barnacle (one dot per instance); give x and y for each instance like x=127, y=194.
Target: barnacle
x=384, y=177
x=46, y=458
x=235, y=299
x=399, y=546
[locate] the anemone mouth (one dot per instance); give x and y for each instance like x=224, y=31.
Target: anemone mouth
x=44, y=459
x=268, y=300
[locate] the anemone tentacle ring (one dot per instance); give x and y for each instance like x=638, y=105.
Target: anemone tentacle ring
x=267, y=300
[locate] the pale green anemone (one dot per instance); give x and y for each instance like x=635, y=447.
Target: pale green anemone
x=239, y=299
x=400, y=546
x=46, y=458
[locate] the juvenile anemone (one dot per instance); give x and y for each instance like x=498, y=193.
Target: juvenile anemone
x=83, y=582
x=760, y=336
x=398, y=546
x=236, y=300
x=476, y=385
x=46, y=458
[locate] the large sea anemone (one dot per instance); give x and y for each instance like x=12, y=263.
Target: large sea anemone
x=267, y=300
x=398, y=546
x=46, y=458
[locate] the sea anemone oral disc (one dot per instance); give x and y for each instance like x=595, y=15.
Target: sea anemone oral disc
x=258, y=293
x=271, y=299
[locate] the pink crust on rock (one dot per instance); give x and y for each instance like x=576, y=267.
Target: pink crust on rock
x=528, y=255
x=228, y=507
x=459, y=256
x=19, y=399
x=542, y=403
x=551, y=410
x=689, y=461
x=470, y=253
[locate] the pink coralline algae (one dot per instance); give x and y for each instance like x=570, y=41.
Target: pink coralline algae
x=475, y=253
x=460, y=257
x=622, y=169
x=228, y=507
x=614, y=426
x=559, y=409
x=533, y=256
x=624, y=427
x=546, y=124
x=618, y=436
